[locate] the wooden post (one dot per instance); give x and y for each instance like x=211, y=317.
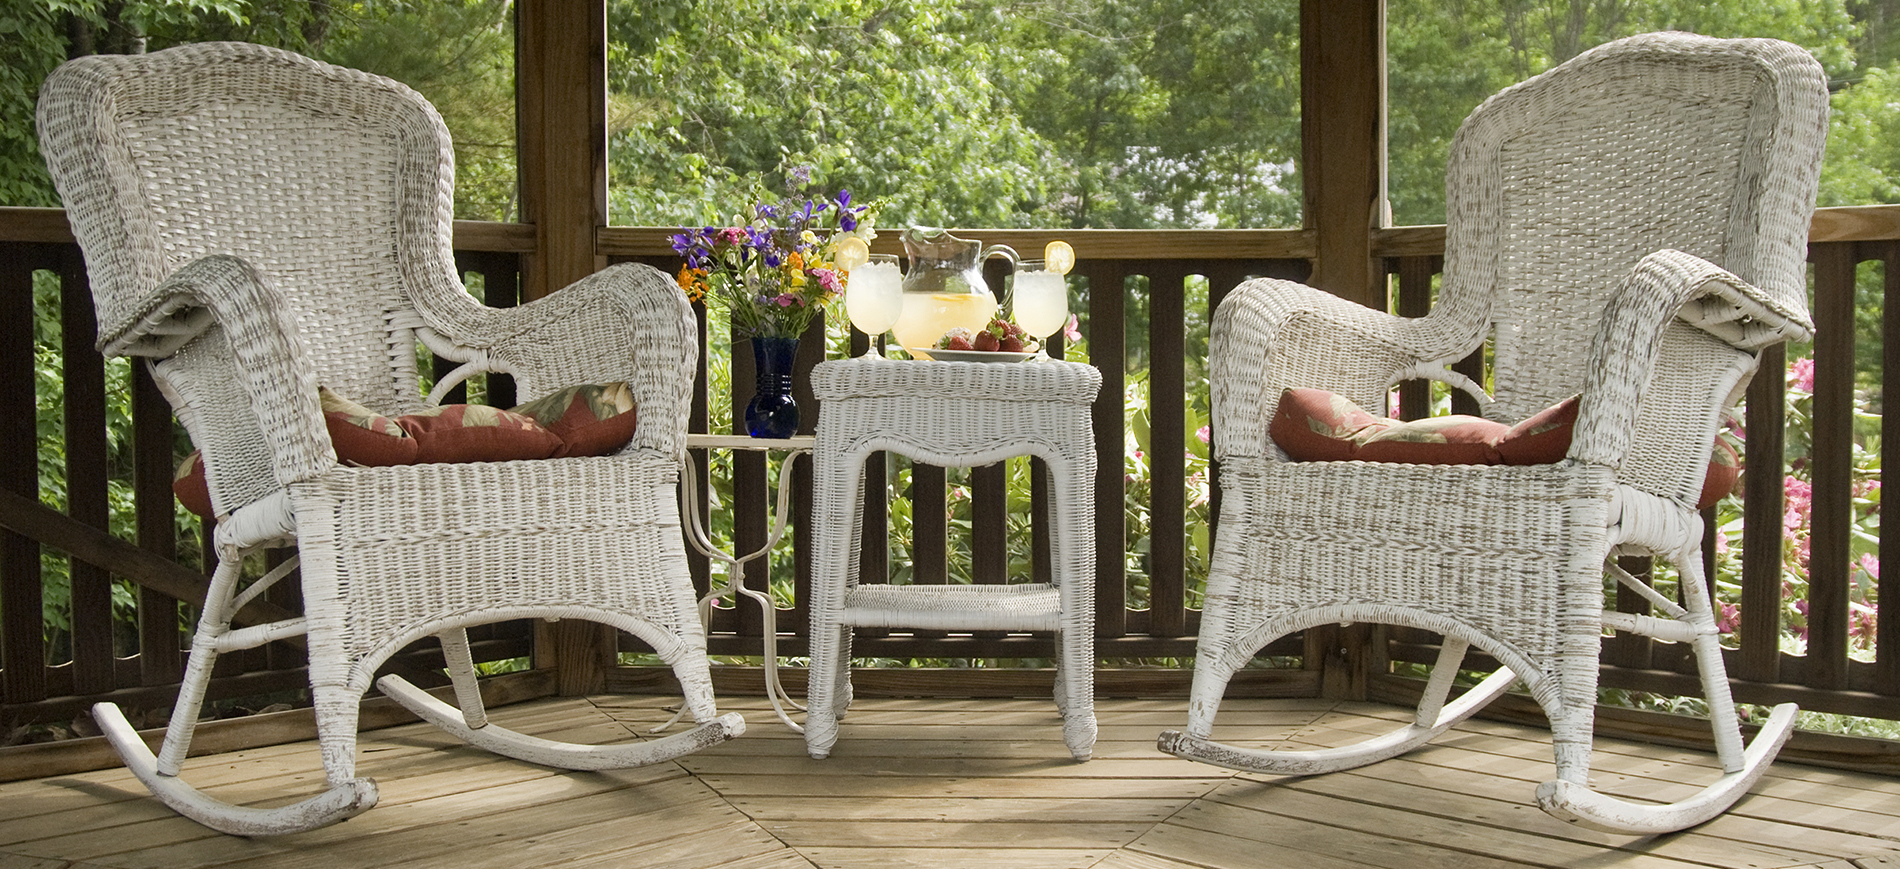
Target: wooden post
x=561, y=99
x=1342, y=119
x=561, y=105
x=1342, y=140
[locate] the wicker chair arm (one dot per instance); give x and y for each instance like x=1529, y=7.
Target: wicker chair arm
x=627, y=322
x=1663, y=287
x=1269, y=335
x=228, y=292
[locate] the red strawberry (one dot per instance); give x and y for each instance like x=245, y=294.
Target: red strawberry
x=985, y=341
x=1012, y=344
x=958, y=342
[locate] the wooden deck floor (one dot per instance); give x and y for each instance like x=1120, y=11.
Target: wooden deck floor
x=954, y=783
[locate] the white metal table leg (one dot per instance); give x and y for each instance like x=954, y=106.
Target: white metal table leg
x=734, y=584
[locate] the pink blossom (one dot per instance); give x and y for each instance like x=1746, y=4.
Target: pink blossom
x=785, y=300
x=1073, y=330
x=1392, y=404
x=828, y=279
x=1870, y=565
x=1862, y=621
x=1801, y=374
x=1205, y=433
x=731, y=235
x=1728, y=618
x=1800, y=501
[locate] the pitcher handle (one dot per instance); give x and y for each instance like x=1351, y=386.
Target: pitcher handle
x=1002, y=250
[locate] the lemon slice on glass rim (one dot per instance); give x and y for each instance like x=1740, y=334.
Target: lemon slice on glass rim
x=850, y=252
x=1058, y=257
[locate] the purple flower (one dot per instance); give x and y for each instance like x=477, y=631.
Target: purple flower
x=681, y=242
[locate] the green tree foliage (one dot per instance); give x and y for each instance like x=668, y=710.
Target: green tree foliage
x=458, y=53
x=1443, y=59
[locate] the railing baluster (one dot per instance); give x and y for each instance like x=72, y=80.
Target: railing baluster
x=1832, y=466
x=22, y=651
x=1167, y=471
x=84, y=403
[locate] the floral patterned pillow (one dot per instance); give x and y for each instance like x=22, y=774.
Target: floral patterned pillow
x=476, y=433
x=1314, y=425
x=588, y=420
x=362, y=436
x=593, y=419
x=1439, y=440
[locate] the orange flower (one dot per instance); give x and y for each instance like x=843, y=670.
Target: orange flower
x=693, y=282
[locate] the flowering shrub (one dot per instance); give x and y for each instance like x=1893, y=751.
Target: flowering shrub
x=1864, y=569
x=774, y=273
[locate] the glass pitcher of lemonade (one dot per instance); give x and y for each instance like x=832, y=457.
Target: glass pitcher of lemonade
x=944, y=288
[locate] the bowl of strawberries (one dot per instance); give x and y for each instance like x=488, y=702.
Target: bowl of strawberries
x=1000, y=341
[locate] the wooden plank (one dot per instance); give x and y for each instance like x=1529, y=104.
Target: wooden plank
x=733, y=845
x=1027, y=835
x=1831, y=465
x=736, y=786
x=1177, y=844
x=1001, y=806
x=1381, y=836
x=962, y=858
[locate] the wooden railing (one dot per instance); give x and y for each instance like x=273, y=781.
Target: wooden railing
x=144, y=668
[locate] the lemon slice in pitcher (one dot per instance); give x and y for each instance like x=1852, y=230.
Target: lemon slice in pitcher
x=850, y=252
x=1058, y=257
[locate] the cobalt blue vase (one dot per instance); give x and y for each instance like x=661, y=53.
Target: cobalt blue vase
x=773, y=411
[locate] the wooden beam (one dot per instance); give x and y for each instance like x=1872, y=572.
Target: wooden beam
x=1342, y=115
x=561, y=106
x=34, y=521
x=561, y=99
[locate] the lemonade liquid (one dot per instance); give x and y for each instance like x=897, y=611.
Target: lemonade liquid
x=928, y=315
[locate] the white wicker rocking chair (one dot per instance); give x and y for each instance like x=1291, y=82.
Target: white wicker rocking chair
x=1629, y=226
x=255, y=224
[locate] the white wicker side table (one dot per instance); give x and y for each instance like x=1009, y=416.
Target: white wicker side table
x=953, y=414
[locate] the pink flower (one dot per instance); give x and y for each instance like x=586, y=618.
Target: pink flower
x=829, y=280
x=1801, y=374
x=1870, y=564
x=1392, y=404
x=1800, y=499
x=731, y=235
x=785, y=300
x=1205, y=433
x=1073, y=330
x=1728, y=617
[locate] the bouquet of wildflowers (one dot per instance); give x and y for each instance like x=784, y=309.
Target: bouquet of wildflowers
x=775, y=272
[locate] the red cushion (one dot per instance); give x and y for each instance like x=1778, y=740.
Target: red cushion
x=1543, y=438
x=1314, y=425
x=1725, y=467
x=1440, y=440
x=593, y=419
x=476, y=433
x=190, y=486
x=362, y=436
